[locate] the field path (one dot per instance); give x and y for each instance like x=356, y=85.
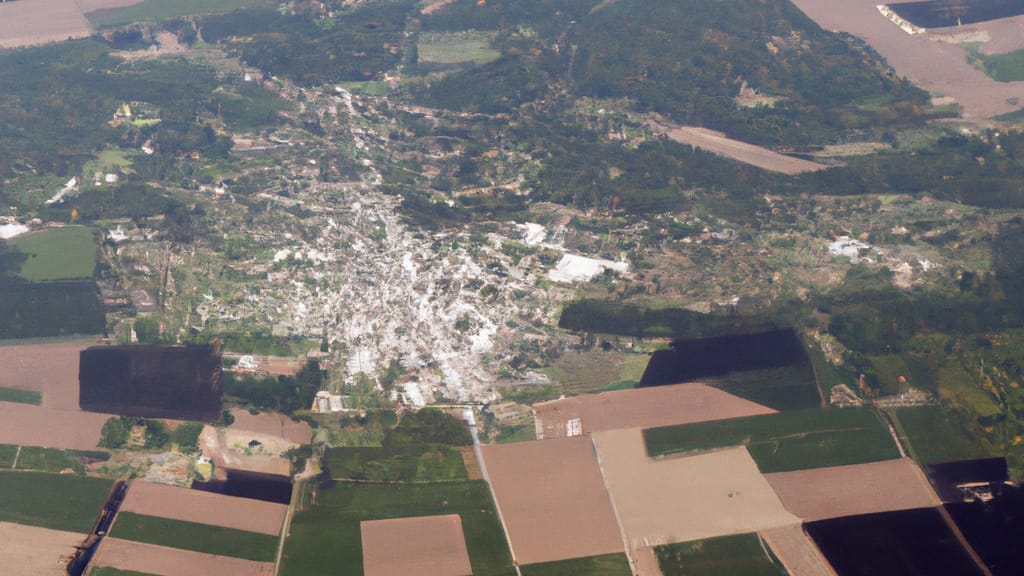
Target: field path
x=797, y=552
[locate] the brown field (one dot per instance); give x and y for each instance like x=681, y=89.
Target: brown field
x=33, y=551
x=204, y=507
x=36, y=426
x=824, y=493
x=425, y=546
x=720, y=144
x=797, y=552
x=939, y=67
x=1005, y=35
x=30, y=22
x=553, y=499
x=51, y=369
x=641, y=408
x=272, y=424
x=689, y=498
x=164, y=561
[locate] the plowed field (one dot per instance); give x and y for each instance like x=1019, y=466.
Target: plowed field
x=204, y=507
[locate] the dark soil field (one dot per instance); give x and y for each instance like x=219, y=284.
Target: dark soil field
x=254, y=485
x=943, y=13
x=905, y=543
x=946, y=476
x=994, y=529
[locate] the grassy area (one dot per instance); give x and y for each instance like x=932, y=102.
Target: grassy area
x=786, y=441
x=606, y=565
x=55, y=501
x=327, y=539
x=20, y=396
x=1008, y=67
x=419, y=463
x=785, y=388
x=934, y=434
x=742, y=555
x=517, y=433
x=108, y=571
x=7, y=453
x=194, y=536
x=457, y=48
x=596, y=370
x=164, y=9
x=58, y=254
x=827, y=374
x=48, y=460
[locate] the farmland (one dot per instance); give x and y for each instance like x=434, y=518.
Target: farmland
x=164, y=9
x=108, y=571
x=604, y=565
x=327, y=535
x=50, y=369
x=48, y=460
x=66, y=253
x=741, y=555
x=29, y=425
x=20, y=396
x=553, y=499
x=149, y=499
x=469, y=46
x=935, y=434
x=424, y=545
x=34, y=551
x=28, y=498
x=139, y=558
x=194, y=536
x=786, y=441
x=796, y=551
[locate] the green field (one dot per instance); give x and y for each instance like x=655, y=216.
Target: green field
x=1008, y=67
x=741, y=555
x=7, y=452
x=65, y=253
x=107, y=571
x=61, y=502
x=420, y=463
x=327, y=539
x=20, y=396
x=785, y=388
x=194, y=536
x=164, y=9
x=786, y=441
x=606, y=565
x=469, y=46
x=934, y=434
x=48, y=460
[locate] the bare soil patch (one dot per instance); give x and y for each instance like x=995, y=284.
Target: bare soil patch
x=824, y=493
x=217, y=445
x=682, y=499
x=553, y=499
x=272, y=424
x=204, y=507
x=51, y=369
x=1005, y=35
x=933, y=65
x=797, y=552
x=40, y=21
x=640, y=408
x=164, y=561
x=34, y=551
x=473, y=471
x=435, y=6
x=29, y=425
x=425, y=546
x=720, y=144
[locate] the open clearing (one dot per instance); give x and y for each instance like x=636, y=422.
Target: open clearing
x=59, y=502
x=164, y=561
x=647, y=407
x=797, y=552
x=51, y=369
x=272, y=424
x=65, y=253
x=722, y=145
x=553, y=499
x=825, y=493
x=939, y=67
x=34, y=551
x=176, y=503
x=425, y=546
x=690, y=498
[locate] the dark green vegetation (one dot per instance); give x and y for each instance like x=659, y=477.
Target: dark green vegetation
x=934, y=434
x=606, y=565
x=422, y=448
x=280, y=393
x=194, y=536
x=31, y=498
x=326, y=537
x=49, y=460
x=29, y=310
x=786, y=441
x=164, y=9
x=742, y=555
x=7, y=453
x=66, y=253
x=108, y=571
x=21, y=396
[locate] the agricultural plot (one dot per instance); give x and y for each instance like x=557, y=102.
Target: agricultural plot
x=824, y=493
x=66, y=253
x=934, y=434
x=326, y=538
x=721, y=145
x=648, y=407
x=44, y=309
x=48, y=460
x=786, y=441
x=466, y=47
x=7, y=454
x=137, y=558
x=796, y=551
x=419, y=463
x=553, y=500
x=29, y=425
x=34, y=551
x=425, y=545
x=59, y=502
x=108, y=571
x=740, y=555
x=604, y=565
x=161, y=500
x=194, y=536
x=689, y=498
x=163, y=9
x=20, y=396
x=49, y=369
x=39, y=22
